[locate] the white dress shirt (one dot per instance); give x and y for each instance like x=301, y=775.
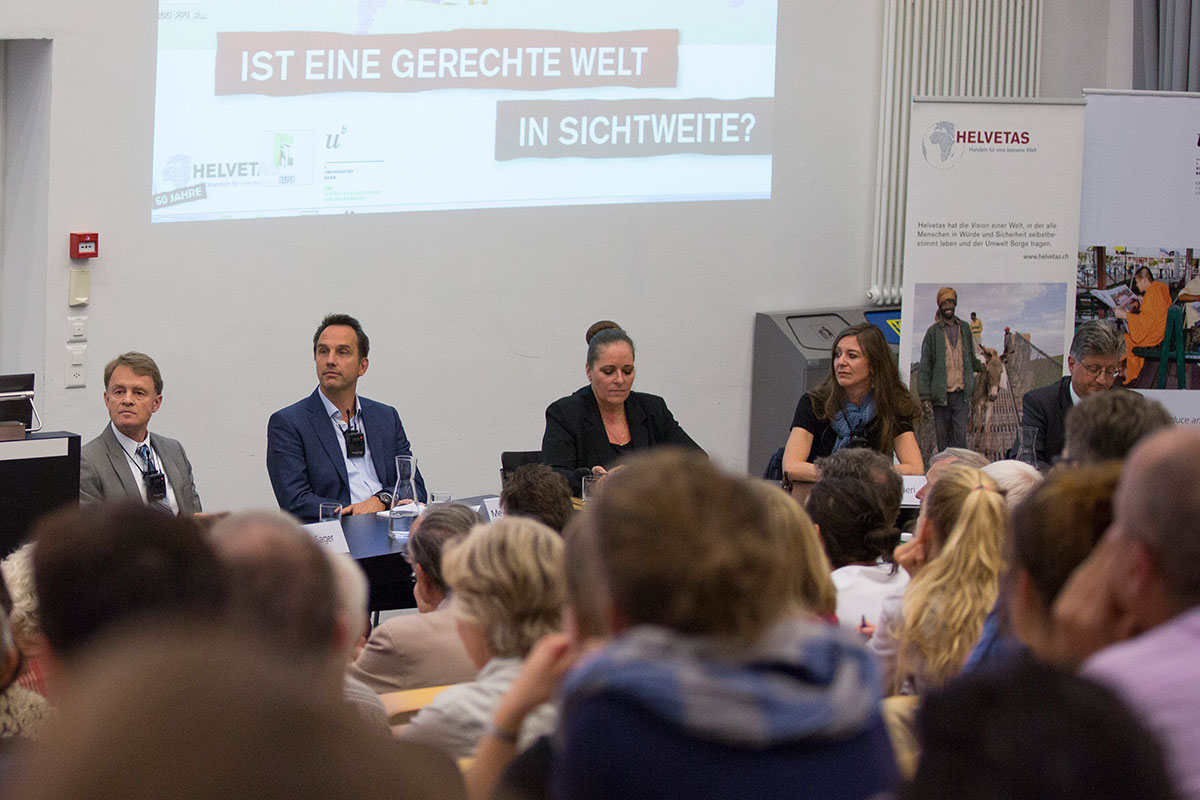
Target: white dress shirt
x=364, y=482
x=135, y=466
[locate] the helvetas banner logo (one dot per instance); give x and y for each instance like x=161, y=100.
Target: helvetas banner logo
x=940, y=146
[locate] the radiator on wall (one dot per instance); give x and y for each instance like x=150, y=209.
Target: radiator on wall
x=942, y=48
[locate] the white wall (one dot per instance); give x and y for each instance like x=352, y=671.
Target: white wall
x=476, y=317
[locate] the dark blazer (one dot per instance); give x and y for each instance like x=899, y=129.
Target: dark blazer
x=306, y=464
x=104, y=473
x=575, y=439
x=1046, y=409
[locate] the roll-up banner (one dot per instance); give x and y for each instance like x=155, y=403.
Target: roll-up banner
x=1141, y=208
x=993, y=215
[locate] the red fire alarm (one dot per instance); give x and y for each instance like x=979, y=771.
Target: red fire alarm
x=85, y=245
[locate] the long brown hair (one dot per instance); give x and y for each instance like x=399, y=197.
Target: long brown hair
x=892, y=400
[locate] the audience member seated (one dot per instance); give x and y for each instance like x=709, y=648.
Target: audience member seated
x=497, y=766
x=1032, y=732
x=588, y=431
x=1132, y=609
x=350, y=585
x=282, y=591
x=17, y=571
x=507, y=584
x=1052, y=533
x=1096, y=352
x=813, y=591
x=948, y=458
x=868, y=466
x=713, y=686
x=924, y=637
x=859, y=540
x=1108, y=425
x=861, y=403
x=111, y=565
x=1015, y=479
x=22, y=712
x=410, y=651
x=195, y=712
x=537, y=491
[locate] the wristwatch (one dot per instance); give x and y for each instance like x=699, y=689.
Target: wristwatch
x=385, y=497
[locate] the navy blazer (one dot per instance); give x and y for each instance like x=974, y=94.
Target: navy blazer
x=1046, y=408
x=305, y=461
x=575, y=439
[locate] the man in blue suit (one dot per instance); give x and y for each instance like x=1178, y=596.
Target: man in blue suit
x=334, y=446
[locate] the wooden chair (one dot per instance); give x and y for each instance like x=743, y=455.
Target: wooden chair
x=402, y=705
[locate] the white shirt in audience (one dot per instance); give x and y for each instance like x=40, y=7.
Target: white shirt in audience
x=460, y=716
x=861, y=590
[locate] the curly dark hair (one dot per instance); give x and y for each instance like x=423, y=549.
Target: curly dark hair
x=536, y=490
x=853, y=521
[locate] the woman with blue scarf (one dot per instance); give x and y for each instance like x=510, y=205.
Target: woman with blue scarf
x=861, y=403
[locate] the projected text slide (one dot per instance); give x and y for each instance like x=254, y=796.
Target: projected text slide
x=398, y=105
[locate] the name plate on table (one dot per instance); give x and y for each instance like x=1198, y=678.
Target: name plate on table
x=492, y=509
x=912, y=485
x=329, y=535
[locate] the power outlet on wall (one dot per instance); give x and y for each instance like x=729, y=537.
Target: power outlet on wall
x=76, y=366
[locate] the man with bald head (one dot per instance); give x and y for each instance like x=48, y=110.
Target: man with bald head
x=1132, y=610
x=283, y=590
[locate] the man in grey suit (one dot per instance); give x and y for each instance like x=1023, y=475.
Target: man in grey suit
x=126, y=461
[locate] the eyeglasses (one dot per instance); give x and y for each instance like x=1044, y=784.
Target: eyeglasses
x=1096, y=372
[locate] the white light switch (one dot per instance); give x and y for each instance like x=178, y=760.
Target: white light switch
x=76, y=329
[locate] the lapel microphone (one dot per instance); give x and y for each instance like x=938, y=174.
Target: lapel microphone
x=356, y=443
x=155, y=480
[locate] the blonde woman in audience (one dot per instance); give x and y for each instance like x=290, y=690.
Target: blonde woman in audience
x=925, y=636
x=17, y=571
x=498, y=771
x=506, y=580
x=812, y=586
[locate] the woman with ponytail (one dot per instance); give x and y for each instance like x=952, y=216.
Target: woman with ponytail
x=924, y=638
x=859, y=538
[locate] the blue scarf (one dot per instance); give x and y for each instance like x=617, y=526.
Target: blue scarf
x=853, y=418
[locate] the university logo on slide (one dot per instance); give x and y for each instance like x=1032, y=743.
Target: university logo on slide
x=283, y=156
x=940, y=146
x=286, y=158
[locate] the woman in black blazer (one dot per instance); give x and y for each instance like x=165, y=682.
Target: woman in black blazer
x=589, y=430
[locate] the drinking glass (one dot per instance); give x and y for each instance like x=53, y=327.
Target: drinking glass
x=591, y=487
x=1027, y=445
x=439, y=497
x=330, y=512
x=404, y=499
